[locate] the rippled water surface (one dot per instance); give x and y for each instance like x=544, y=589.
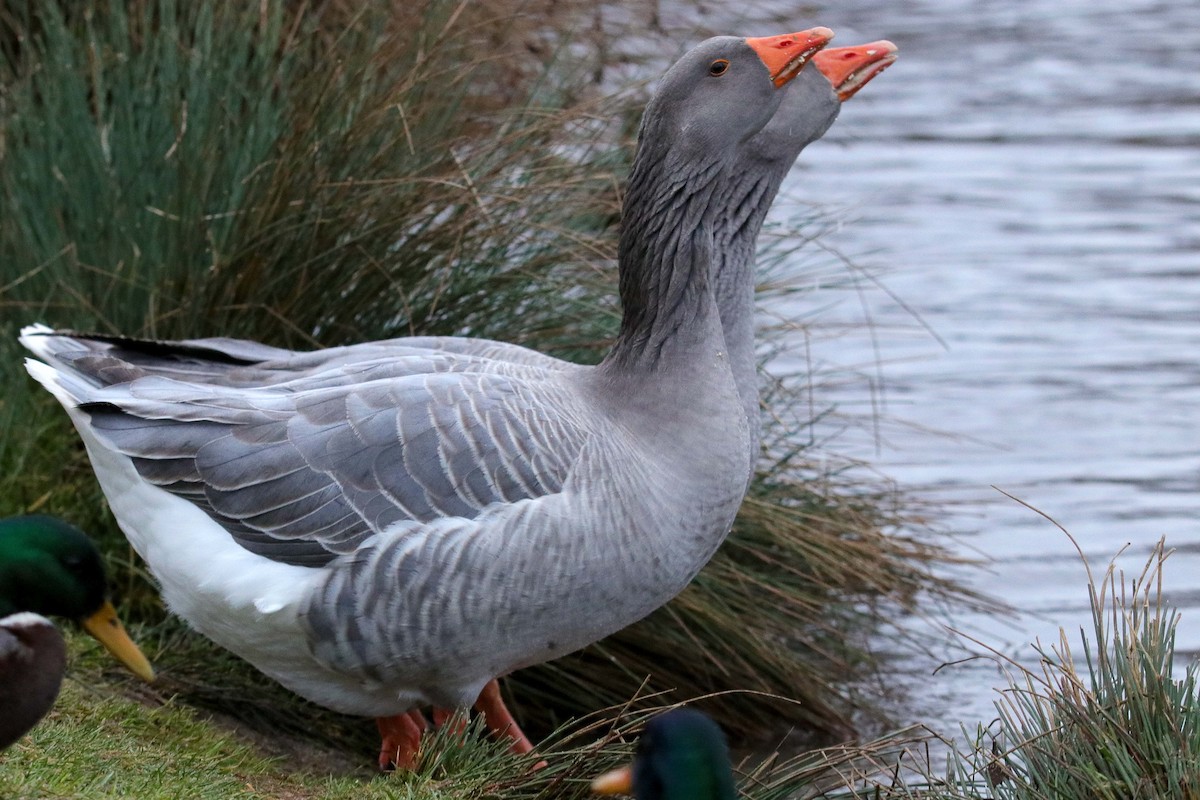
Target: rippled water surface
x=1027, y=178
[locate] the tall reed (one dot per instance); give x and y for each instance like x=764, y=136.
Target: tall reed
x=311, y=174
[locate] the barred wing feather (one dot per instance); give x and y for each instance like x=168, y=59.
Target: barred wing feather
x=311, y=467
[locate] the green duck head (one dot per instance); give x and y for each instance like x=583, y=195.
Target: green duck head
x=682, y=755
x=50, y=567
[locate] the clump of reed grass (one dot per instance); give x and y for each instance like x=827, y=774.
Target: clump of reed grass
x=172, y=169
x=316, y=174
x=1113, y=722
x=1116, y=723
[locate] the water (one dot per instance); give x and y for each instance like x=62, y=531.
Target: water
x=1027, y=178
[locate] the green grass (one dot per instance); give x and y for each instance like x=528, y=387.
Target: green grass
x=316, y=174
x=1115, y=723
x=175, y=169
x=96, y=746
x=109, y=736
x=1104, y=716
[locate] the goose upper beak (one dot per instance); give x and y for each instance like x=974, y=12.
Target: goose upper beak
x=786, y=55
x=851, y=68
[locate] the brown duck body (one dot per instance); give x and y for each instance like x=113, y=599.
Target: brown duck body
x=33, y=658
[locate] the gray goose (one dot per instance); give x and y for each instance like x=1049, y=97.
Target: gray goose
x=805, y=114
x=389, y=527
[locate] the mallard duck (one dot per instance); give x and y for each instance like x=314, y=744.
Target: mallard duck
x=33, y=658
x=681, y=755
x=391, y=526
x=49, y=567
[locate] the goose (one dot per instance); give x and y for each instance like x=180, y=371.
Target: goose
x=392, y=526
x=805, y=114
x=48, y=566
x=681, y=755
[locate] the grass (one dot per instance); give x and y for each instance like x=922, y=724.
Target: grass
x=111, y=737
x=1103, y=716
x=174, y=171
x=1114, y=723
x=316, y=174
x=93, y=747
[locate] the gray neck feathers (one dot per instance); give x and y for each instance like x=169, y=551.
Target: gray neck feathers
x=735, y=236
x=666, y=257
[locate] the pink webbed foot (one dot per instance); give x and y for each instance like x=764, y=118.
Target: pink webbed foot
x=499, y=720
x=402, y=732
x=401, y=743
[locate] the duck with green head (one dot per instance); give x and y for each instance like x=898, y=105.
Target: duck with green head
x=682, y=755
x=49, y=567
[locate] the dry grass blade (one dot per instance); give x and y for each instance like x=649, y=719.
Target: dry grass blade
x=1117, y=721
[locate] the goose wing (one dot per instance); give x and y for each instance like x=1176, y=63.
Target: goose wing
x=311, y=466
x=239, y=362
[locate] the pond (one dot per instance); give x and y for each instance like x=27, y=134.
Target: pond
x=1026, y=180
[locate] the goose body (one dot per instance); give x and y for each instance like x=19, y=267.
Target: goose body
x=395, y=524
x=519, y=532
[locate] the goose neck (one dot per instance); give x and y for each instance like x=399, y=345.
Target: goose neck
x=666, y=260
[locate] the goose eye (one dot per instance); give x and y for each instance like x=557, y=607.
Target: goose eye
x=718, y=67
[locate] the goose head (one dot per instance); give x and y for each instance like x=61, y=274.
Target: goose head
x=721, y=93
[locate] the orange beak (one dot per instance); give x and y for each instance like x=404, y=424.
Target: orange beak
x=851, y=68
x=786, y=55
x=619, y=781
x=109, y=631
